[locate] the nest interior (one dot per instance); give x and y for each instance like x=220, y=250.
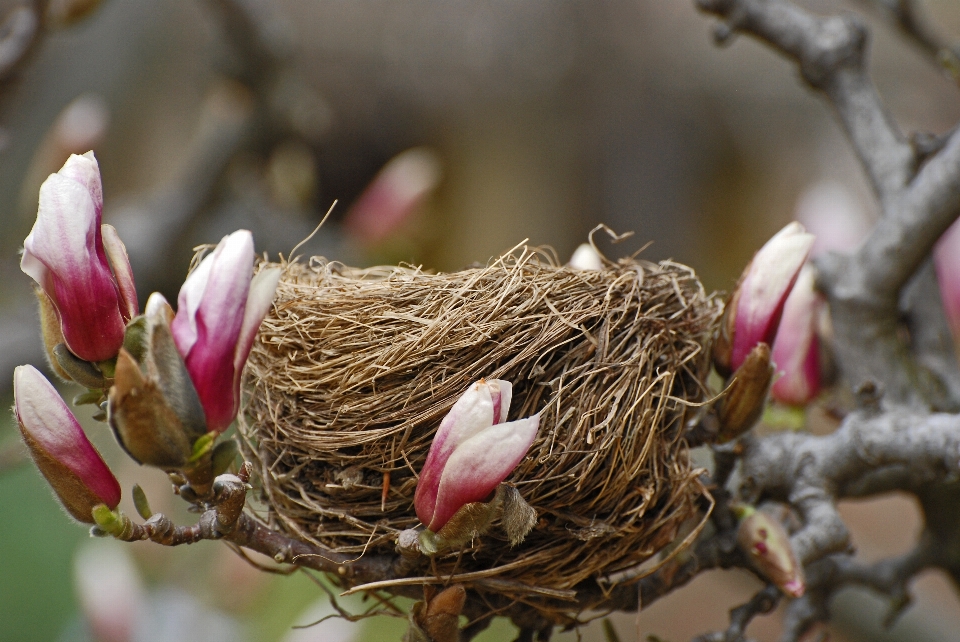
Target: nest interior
x=354, y=369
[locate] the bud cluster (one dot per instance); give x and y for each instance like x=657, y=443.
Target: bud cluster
x=768, y=333
x=169, y=383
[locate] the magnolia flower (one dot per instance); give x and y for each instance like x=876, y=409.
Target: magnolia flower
x=768, y=545
x=474, y=450
x=394, y=195
x=754, y=311
x=796, y=351
x=219, y=311
x=70, y=255
x=61, y=450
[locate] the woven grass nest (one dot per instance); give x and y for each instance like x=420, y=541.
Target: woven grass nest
x=355, y=368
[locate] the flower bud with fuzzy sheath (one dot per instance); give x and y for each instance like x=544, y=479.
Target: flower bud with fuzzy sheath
x=153, y=407
x=474, y=450
x=742, y=406
x=59, y=447
x=796, y=351
x=80, y=264
x=753, y=312
x=767, y=544
x=219, y=311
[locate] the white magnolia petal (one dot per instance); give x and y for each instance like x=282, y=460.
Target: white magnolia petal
x=85, y=170
x=263, y=288
x=184, y=326
x=158, y=307
x=764, y=289
x=503, y=390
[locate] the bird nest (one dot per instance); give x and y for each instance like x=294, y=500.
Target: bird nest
x=355, y=368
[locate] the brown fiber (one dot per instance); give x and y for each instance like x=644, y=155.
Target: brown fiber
x=354, y=369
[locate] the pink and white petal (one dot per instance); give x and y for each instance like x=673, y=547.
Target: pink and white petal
x=85, y=170
x=946, y=256
x=796, y=350
x=64, y=234
x=502, y=393
x=120, y=262
x=184, y=326
x=263, y=288
x=479, y=464
x=157, y=306
x=763, y=292
x=394, y=195
x=219, y=319
x=65, y=241
x=43, y=414
x=469, y=415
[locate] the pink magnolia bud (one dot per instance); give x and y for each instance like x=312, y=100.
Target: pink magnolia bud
x=834, y=215
x=474, y=450
x=219, y=312
x=61, y=450
x=946, y=256
x=70, y=255
x=109, y=589
x=753, y=313
x=394, y=195
x=796, y=351
x=768, y=545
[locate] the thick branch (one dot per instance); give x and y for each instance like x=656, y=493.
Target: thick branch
x=869, y=454
x=889, y=577
x=864, y=289
x=830, y=54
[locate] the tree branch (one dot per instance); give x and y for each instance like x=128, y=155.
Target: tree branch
x=830, y=54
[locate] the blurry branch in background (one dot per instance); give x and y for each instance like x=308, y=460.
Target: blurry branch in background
x=260, y=101
x=22, y=30
x=19, y=34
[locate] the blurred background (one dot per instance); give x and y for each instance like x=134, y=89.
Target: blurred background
x=447, y=132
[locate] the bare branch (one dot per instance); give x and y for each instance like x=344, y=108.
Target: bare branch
x=830, y=54
x=889, y=577
x=763, y=602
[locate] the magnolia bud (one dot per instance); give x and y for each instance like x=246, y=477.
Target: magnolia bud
x=796, y=351
x=62, y=452
x=219, y=311
x=768, y=546
x=743, y=404
x=90, y=288
x=473, y=451
x=394, y=195
x=753, y=312
x=153, y=408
